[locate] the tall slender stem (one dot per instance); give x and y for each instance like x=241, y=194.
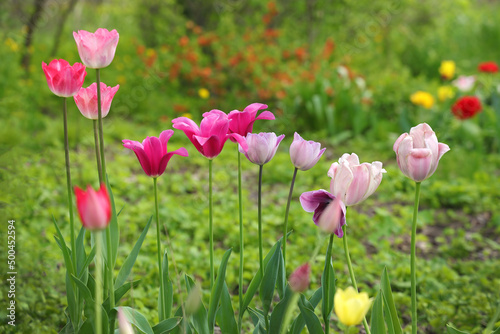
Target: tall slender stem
x=111, y=283
x=413, y=261
x=240, y=281
x=97, y=150
x=162, y=315
x=98, y=280
x=99, y=119
x=326, y=282
x=351, y=272
x=261, y=262
x=210, y=224
x=285, y=225
x=289, y=312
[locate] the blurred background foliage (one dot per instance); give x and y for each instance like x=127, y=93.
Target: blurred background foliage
x=340, y=72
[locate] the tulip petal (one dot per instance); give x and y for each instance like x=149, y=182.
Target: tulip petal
x=154, y=151
x=419, y=164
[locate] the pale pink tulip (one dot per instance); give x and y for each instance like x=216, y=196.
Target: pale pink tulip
x=96, y=50
x=300, y=278
x=261, y=147
x=318, y=201
x=241, y=122
x=305, y=154
x=354, y=182
x=464, y=83
x=418, y=152
x=94, y=207
x=86, y=100
x=63, y=79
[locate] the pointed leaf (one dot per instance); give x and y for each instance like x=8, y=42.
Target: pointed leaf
x=312, y=322
x=299, y=322
x=169, y=289
x=87, y=262
x=167, y=325
x=452, y=330
x=258, y=321
x=377, y=324
x=120, y=292
x=279, y=312
x=66, y=252
x=385, y=284
x=269, y=282
x=281, y=279
x=113, y=226
x=225, y=314
x=200, y=322
x=80, y=251
x=217, y=290
x=327, y=301
x=136, y=318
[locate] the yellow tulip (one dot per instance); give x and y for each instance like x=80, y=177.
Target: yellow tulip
x=445, y=93
x=351, y=306
x=423, y=99
x=203, y=93
x=447, y=69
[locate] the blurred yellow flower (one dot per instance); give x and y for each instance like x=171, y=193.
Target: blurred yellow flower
x=204, y=93
x=12, y=44
x=121, y=79
x=447, y=69
x=445, y=93
x=188, y=115
x=423, y=99
x=351, y=306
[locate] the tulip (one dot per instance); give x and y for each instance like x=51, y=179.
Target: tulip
x=317, y=201
x=466, y=107
x=261, y=147
x=210, y=137
x=488, y=67
x=152, y=153
x=418, y=153
x=305, y=154
x=354, y=182
x=242, y=121
x=63, y=79
x=299, y=279
x=96, y=50
x=447, y=69
x=351, y=306
x=464, y=83
x=94, y=207
x=423, y=99
x=86, y=100
x=445, y=93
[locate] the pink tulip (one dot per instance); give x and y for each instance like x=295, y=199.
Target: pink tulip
x=86, y=100
x=152, y=153
x=94, y=207
x=464, y=83
x=305, y=154
x=96, y=50
x=242, y=121
x=210, y=137
x=63, y=79
x=261, y=147
x=300, y=278
x=418, y=153
x=354, y=182
x=319, y=201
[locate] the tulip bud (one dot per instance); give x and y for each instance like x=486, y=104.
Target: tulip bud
x=261, y=147
x=299, y=279
x=86, y=100
x=96, y=50
x=94, y=207
x=351, y=306
x=63, y=79
x=305, y=154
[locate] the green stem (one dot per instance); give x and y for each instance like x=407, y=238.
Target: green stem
x=97, y=150
x=162, y=315
x=351, y=272
x=111, y=265
x=210, y=224
x=489, y=327
x=240, y=281
x=285, y=227
x=289, y=312
x=98, y=280
x=326, y=316
x=413, y=261
x=99, y=119
x=261, y=262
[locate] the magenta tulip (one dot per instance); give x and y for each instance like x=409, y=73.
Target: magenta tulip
x=300, y=278
x=152, y=153
x=318, y=201
x=261, y=147
x=354, y=182
x=210, y=137
x=94, y=207
x=241, y=122
x=96, y=50
x=63, y=79
x=86, y=100
x=305, y=154
x=418, y=153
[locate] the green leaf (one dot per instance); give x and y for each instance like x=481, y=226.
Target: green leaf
x=377, y=324
x=387, y=315
x=452, y=330
x=120, y=292
x=217, y=290
x=113, y=226
x=167, y=325
x=87, y=262
x=169, y=289
x=312, y=322
x=80, y=252
x=385, y=284
x=72, y=306
x=279, y=311
x=225, y=314
x=327, y=301
x=497, y=331
x=299, y=322
x=258, y=321
x=86, y=328
x=281, y=279
x=132, y=256
x=90, y=304
x=62, y=244
x=269, y=281
x=200, y=322
x=136, y=318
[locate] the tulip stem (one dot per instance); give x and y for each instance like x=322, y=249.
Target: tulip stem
x=240, y=281
x=99, y=119
x=210, y=224
x=98, y=279
x=413, y=261
x=97, y=150
x=289, y=312
x=326, y=283
x=261, y=262
x=162, y=310
x=351, y=272
x=285, y=227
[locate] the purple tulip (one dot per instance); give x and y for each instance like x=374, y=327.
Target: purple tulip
x=241, y=122
x=318, y=201
x=305, y=154
x=261, y=147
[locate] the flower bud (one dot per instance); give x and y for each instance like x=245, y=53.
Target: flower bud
x=299, y=279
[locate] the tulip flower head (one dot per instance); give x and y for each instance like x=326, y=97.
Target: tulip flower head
x=152, y=153
x=351, y=306
x=261, y=147
x=305, y=154
x=447, y=69
x=94, y=207
x=96, y=50
x=466, y=107
x=329, y=218
x=86, y=100
x=354, y=182
x=464, y=83
x=423, y=99
x=418, y=152
x=241, y=122
x=209, y=138
x=445, y=93
x=63, y=79
x=299, y=279
x=488, y=67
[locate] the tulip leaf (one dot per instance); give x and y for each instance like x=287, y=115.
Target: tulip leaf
x=80, y=251
x=199, y=317
x=167, y=325
x=377, y=324
x=169, y=290
x=87, y=262
x=269, y=281
x=113, y=226
x=389, y=303
x=90, y=305
x=217, y=290
x=281, y=279
x=70, y=295
x=312, y=321
x=62, y=245
x=120, y=292
x=131, y=258
x=328, y=291
x=279, y=312
x=497, y=331
x=225, y=314
x=136, y=318
x=258, y=321
x=299, y=322
x=452, y=330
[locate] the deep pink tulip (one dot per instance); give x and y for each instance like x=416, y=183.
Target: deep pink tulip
x=210, y=137
x=241, y=122
x=318, y=201
x=63, y=79
x=96, y=50
x=261, y=147
x=300, y=278
x=152, y=152
x=418, y=153
x=354, y=182
x=94, y=207
x=86, y=100
x=305, y=154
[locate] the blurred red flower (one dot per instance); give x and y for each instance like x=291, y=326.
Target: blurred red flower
x=488, y=67
x=466, y=107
